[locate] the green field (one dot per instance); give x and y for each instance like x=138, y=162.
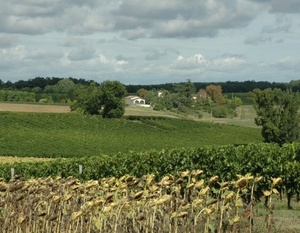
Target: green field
x=70, y=134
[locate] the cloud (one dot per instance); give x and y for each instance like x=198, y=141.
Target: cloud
x=282, y=24
x=149, y=40
x=287, y=6
x=103, y=62
x=156, y=54
x=81, y=53
x=180, y=19
x=7, y=40
x=255, y=40
x=229, y=62
x=34, y=17
x=198, y=62
x=43, y=54
x=135, y=33
x=131, y=18
x=288, y=63
x=195, y=61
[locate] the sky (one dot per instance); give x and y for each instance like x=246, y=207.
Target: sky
x=150, y=41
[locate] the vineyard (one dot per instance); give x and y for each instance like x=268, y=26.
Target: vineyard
x=71, y=135
x=266, y=160
x=141, y=174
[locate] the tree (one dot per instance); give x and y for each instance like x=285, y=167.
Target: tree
x=142, y=93
x=215, y=93
x=105, y=100
x=185, y=93
x=112, y=99
x=277, y=114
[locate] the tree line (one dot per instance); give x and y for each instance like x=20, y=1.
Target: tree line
x=228, y=87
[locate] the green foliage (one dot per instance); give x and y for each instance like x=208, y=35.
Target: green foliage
x=277, y=114
x=71, y=134
x=111, y=98
x=180, y=99
x=89, y=100
x=234, y=102
x=158, y=107
x=185, y=92
x=142, y=93
x=220, y=111
x=266, y=160
x=105, y=100
x=46, y=100
x=16, y=96
x=243, y=96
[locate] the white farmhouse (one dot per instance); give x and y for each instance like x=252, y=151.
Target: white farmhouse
x=135, y=101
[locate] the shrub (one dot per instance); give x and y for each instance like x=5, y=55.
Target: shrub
x=158, y=107
x=220, y=112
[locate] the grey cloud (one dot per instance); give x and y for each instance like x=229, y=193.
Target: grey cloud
x=133, y=19
x=279, y=41
x=183, y=29
x=155, y=54
x=40, y=17
x=181, y=19
x=28, y=26
x=134, y=34
x=285, y=6
x=281, y=6
x=81, y=53
x=45, y=54
x=277, y=28
x=162, y=10
x=7, y=40
x=257, y=40
x=282, y=24
x=122, y=58
x=226, y=55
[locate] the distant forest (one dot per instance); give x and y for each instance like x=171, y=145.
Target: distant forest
x=227, y=87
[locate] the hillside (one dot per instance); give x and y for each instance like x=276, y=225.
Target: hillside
x=69, y=134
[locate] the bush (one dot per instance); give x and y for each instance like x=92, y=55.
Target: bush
x=158, y=107
x=220, y=112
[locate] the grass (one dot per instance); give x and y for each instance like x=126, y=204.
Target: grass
x=284, y=220
x=245, y=115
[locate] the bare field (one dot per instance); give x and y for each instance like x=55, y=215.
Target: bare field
x=143, y=111
x=16, y=107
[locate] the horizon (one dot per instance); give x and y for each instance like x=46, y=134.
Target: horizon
x=154, y=84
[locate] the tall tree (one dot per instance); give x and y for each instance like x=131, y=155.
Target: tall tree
x=112, y=99
x=142, y=93
x=185, y=93
x=215, y=93
x=105, y=100
x=277, y=114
